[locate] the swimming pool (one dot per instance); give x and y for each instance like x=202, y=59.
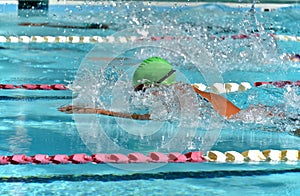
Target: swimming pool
x=31, y=124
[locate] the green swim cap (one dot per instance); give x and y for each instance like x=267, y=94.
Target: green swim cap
x=152, y=70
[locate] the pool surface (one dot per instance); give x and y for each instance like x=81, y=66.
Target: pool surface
x=93, y=50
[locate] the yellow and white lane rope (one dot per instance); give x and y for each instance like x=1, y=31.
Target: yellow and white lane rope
x=253, y=156
x=287, y=38
x=220, y=88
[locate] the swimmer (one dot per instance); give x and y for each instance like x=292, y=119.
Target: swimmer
x=157, y=71
x=85, y=26
x=290, y=57
x=294, y=57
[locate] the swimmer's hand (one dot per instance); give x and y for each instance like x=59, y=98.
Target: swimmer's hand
x=70, y=109
x=81, y=110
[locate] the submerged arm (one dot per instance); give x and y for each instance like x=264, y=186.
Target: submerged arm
x=75, y=109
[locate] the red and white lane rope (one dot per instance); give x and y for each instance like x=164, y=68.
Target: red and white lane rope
x=67, y=39
x=221, y=88
x=157, y=157
x=120, y=39
x=218, y=88
x=279, y=84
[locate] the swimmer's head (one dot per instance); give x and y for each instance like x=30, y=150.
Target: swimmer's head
x=154, y=70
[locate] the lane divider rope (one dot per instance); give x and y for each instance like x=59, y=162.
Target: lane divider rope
x=67, y=39
x=34, y=87
x=218, y=88
x=221, y=88
x=279, y=84
x=157, y=157
x=120, y=39
x=287, y=37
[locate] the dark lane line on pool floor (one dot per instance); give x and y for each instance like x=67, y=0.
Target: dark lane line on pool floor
x=33, y=98
x=147, y=176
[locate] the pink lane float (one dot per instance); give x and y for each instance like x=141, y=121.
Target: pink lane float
x=154, y=157
x=34, y=86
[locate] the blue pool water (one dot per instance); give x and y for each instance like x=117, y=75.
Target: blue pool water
x=30, y=123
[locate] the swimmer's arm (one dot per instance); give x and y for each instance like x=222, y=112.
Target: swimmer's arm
x=222, y=105
x=75, y=109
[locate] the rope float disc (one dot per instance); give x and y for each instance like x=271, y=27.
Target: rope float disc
x=157, y=157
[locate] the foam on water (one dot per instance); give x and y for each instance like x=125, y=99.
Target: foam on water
x=274, y=111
